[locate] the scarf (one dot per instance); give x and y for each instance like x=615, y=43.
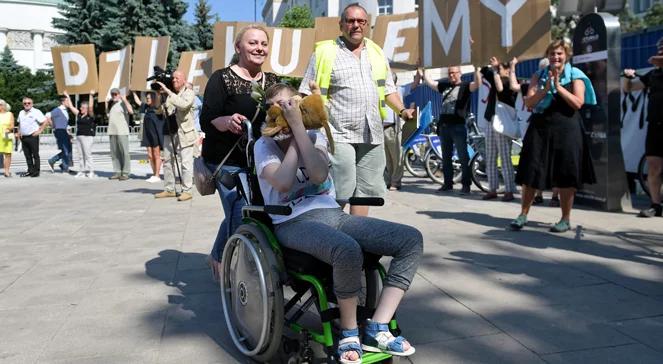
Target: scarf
x=569, y=74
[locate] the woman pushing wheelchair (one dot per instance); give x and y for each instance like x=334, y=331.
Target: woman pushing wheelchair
x=293, y=170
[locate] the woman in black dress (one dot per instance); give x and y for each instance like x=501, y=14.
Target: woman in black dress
x=153, y=125
x=228, y=103
x=555, y=152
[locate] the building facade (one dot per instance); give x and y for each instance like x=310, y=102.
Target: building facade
x=274, y=10
x=26, y=27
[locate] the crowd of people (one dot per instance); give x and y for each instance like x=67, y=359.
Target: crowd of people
x=366, y=113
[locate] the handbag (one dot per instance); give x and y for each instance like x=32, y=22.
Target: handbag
x=505, y=121
x=203, y=178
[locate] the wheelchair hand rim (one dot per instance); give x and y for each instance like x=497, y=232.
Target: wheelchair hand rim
x=233, y=243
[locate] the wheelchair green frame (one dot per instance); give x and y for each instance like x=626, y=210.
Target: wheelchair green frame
x=324, y=338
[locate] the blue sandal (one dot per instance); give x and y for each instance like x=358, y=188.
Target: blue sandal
x=378, y=338
x=349, y=342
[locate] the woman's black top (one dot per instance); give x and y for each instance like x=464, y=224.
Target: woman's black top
x=86, y=126
x=227, y=93
x=507, y=96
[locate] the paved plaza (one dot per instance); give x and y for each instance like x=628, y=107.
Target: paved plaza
x=98, y=271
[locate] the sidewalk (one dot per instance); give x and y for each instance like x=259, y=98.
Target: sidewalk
x=98, y=271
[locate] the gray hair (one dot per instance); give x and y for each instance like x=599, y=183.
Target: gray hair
x=353, y=5
x=4, y=104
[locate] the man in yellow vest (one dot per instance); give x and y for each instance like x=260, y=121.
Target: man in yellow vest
x=355, y=79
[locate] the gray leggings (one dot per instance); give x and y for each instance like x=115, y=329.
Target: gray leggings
x=338, y=239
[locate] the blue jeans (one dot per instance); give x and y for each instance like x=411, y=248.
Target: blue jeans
x=232, y=204
x=64, y=144
x=454, y=135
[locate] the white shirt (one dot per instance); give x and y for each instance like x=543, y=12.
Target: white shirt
x=303, y=196
x=29, y=121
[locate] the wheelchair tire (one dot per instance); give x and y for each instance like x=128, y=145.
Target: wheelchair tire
x=373, y=288
x=252, y=294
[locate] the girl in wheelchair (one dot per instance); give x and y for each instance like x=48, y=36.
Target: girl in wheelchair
x=293, y=170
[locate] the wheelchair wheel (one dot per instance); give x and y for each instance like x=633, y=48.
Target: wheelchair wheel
x=252, y=294
x=373, y=287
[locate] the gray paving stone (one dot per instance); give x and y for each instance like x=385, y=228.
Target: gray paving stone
x=619, y=354
x=648, y=331
x=497, y=348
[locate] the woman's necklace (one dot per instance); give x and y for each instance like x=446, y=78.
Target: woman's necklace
x=244, y=73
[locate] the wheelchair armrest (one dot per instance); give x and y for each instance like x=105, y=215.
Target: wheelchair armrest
x=270, y=209
x=363, y=201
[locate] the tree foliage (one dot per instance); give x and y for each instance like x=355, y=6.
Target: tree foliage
x=17, y=81
x=629, y=22
x=113, y=24
x=654, y=15
x=298, y=17
x=203, y=26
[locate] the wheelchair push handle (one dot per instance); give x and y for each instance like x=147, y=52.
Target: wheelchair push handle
x=363, y=201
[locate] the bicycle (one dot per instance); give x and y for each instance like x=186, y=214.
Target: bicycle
x=479, y=171
x=413, y=156
x=433, y=160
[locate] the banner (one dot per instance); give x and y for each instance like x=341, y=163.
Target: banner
x=224, y=42
x=633, y=125
x=399, y=36
x=462, y=31
x=114, y=72
x=75, y=68
x=197, y=69
x=148, y=52
x=290, y=51
x=327, y=28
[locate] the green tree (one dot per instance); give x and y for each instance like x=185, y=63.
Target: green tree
x=113, y=24
x=654, y=15
x=202, y=25
x=8, y=62
x=629, y=22
x=298, y=17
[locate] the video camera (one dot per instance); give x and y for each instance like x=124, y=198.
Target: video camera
x=163, y=76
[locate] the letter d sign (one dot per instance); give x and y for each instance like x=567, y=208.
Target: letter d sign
x=75, y=68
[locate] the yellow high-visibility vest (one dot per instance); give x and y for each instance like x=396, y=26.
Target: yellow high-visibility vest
x=325, y=54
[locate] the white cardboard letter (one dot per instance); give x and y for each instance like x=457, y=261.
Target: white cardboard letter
x=294, y=49
x=393, y=41
x=80, y=77
x=193, y=71
x=506, y=13
x=432, y=21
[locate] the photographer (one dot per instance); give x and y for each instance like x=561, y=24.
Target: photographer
x=180, y=138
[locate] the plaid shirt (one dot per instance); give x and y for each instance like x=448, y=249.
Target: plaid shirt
x=354, y=113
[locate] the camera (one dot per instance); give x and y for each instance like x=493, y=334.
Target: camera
x=163, y=76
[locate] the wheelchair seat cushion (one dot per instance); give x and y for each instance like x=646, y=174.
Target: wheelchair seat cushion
x=304, y=263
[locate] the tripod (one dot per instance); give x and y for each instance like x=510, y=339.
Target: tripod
x=173, y=144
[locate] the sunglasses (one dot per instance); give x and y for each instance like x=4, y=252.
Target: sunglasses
x=27, y=103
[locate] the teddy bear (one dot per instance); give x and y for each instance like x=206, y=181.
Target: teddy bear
x=314, y=115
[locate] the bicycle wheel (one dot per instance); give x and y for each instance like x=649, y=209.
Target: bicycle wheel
x=413, y=159
x=478, y=170
x=433, y=166
x=643, y=170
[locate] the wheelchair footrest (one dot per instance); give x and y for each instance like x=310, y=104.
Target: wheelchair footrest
x=369, y=358
x=330, y=314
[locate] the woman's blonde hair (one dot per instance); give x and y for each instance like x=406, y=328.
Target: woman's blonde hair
x=240, y=35
x=557, y=44
x=5, y=105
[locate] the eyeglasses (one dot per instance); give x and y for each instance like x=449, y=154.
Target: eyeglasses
x=114, y=94
x=361, y=22
x=27, y=103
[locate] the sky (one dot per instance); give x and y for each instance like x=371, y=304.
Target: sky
x=230, y=10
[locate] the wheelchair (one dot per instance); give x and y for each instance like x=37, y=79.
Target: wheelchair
x=263, y=324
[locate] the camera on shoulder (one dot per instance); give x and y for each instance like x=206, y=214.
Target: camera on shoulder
x=163, y=76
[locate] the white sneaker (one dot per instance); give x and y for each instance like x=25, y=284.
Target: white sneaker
x=80, y=175
x=91, y=175
x=154, y=179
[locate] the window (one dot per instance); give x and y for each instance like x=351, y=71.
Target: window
x=641, y=6
x=416, y=5
x=385, y=7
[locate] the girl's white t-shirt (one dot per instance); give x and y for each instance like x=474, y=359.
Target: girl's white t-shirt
x=303, y=196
